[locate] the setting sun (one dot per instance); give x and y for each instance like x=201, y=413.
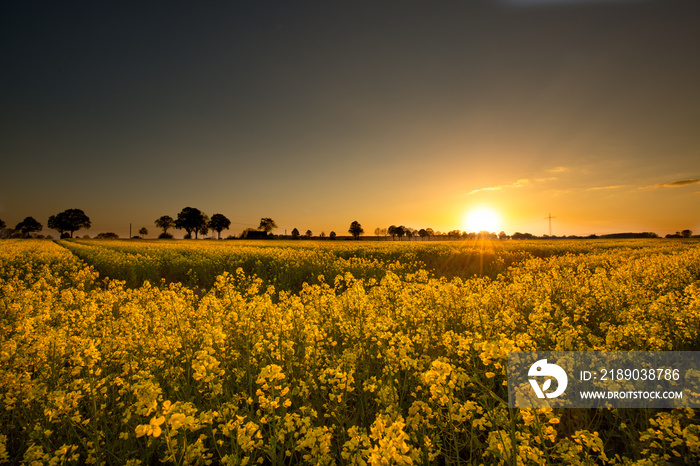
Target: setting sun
x=482, y=219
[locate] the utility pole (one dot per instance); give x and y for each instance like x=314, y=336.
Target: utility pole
x=130, y=230
x=549, y=217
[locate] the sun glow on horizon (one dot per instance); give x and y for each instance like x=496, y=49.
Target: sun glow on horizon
x=482, y=219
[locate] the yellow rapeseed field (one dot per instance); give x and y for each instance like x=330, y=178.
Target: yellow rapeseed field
x=232, y=352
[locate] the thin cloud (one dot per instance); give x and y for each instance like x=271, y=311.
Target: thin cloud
x=601, y=188
x=676, y=184
x=518, y=184
x=558, y=170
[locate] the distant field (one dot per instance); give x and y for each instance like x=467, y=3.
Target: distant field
x=288, y=264
x=323, y=352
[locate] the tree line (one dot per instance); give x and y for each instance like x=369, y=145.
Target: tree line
x=195, y=222
x=409, y=233
x=66, y=223
x=192, y=220
x=355, y=230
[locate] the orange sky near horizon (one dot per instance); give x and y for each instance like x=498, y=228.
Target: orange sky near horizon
x=319, y=114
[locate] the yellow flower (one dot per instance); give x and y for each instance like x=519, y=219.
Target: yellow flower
x=152, y=428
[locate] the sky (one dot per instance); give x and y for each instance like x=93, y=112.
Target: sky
x=319, y=113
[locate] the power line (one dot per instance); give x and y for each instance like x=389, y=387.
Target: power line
x=550, y=223
x=521, y=223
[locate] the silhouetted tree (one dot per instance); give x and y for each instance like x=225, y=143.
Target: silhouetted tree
x=502, y=235
x=218, y=223
x=267, y=224
x=355, y=229
x=430, y=232
x=409, y=233
x=165, y=222
x=70, y=220
x=108, y=235
x=309, y=234
x=191, y=220
x=204, y=227
x=2, y=223
x=332, y=235
x=392, y=231
x=483, y=234
x=322, y=235
x=28, y=225
x=400, y=231
x=143, y=231
x=423, y=233
x=686, y=233
x=295, y=233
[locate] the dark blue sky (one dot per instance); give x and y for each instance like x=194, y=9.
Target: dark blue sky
x=321, y=113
